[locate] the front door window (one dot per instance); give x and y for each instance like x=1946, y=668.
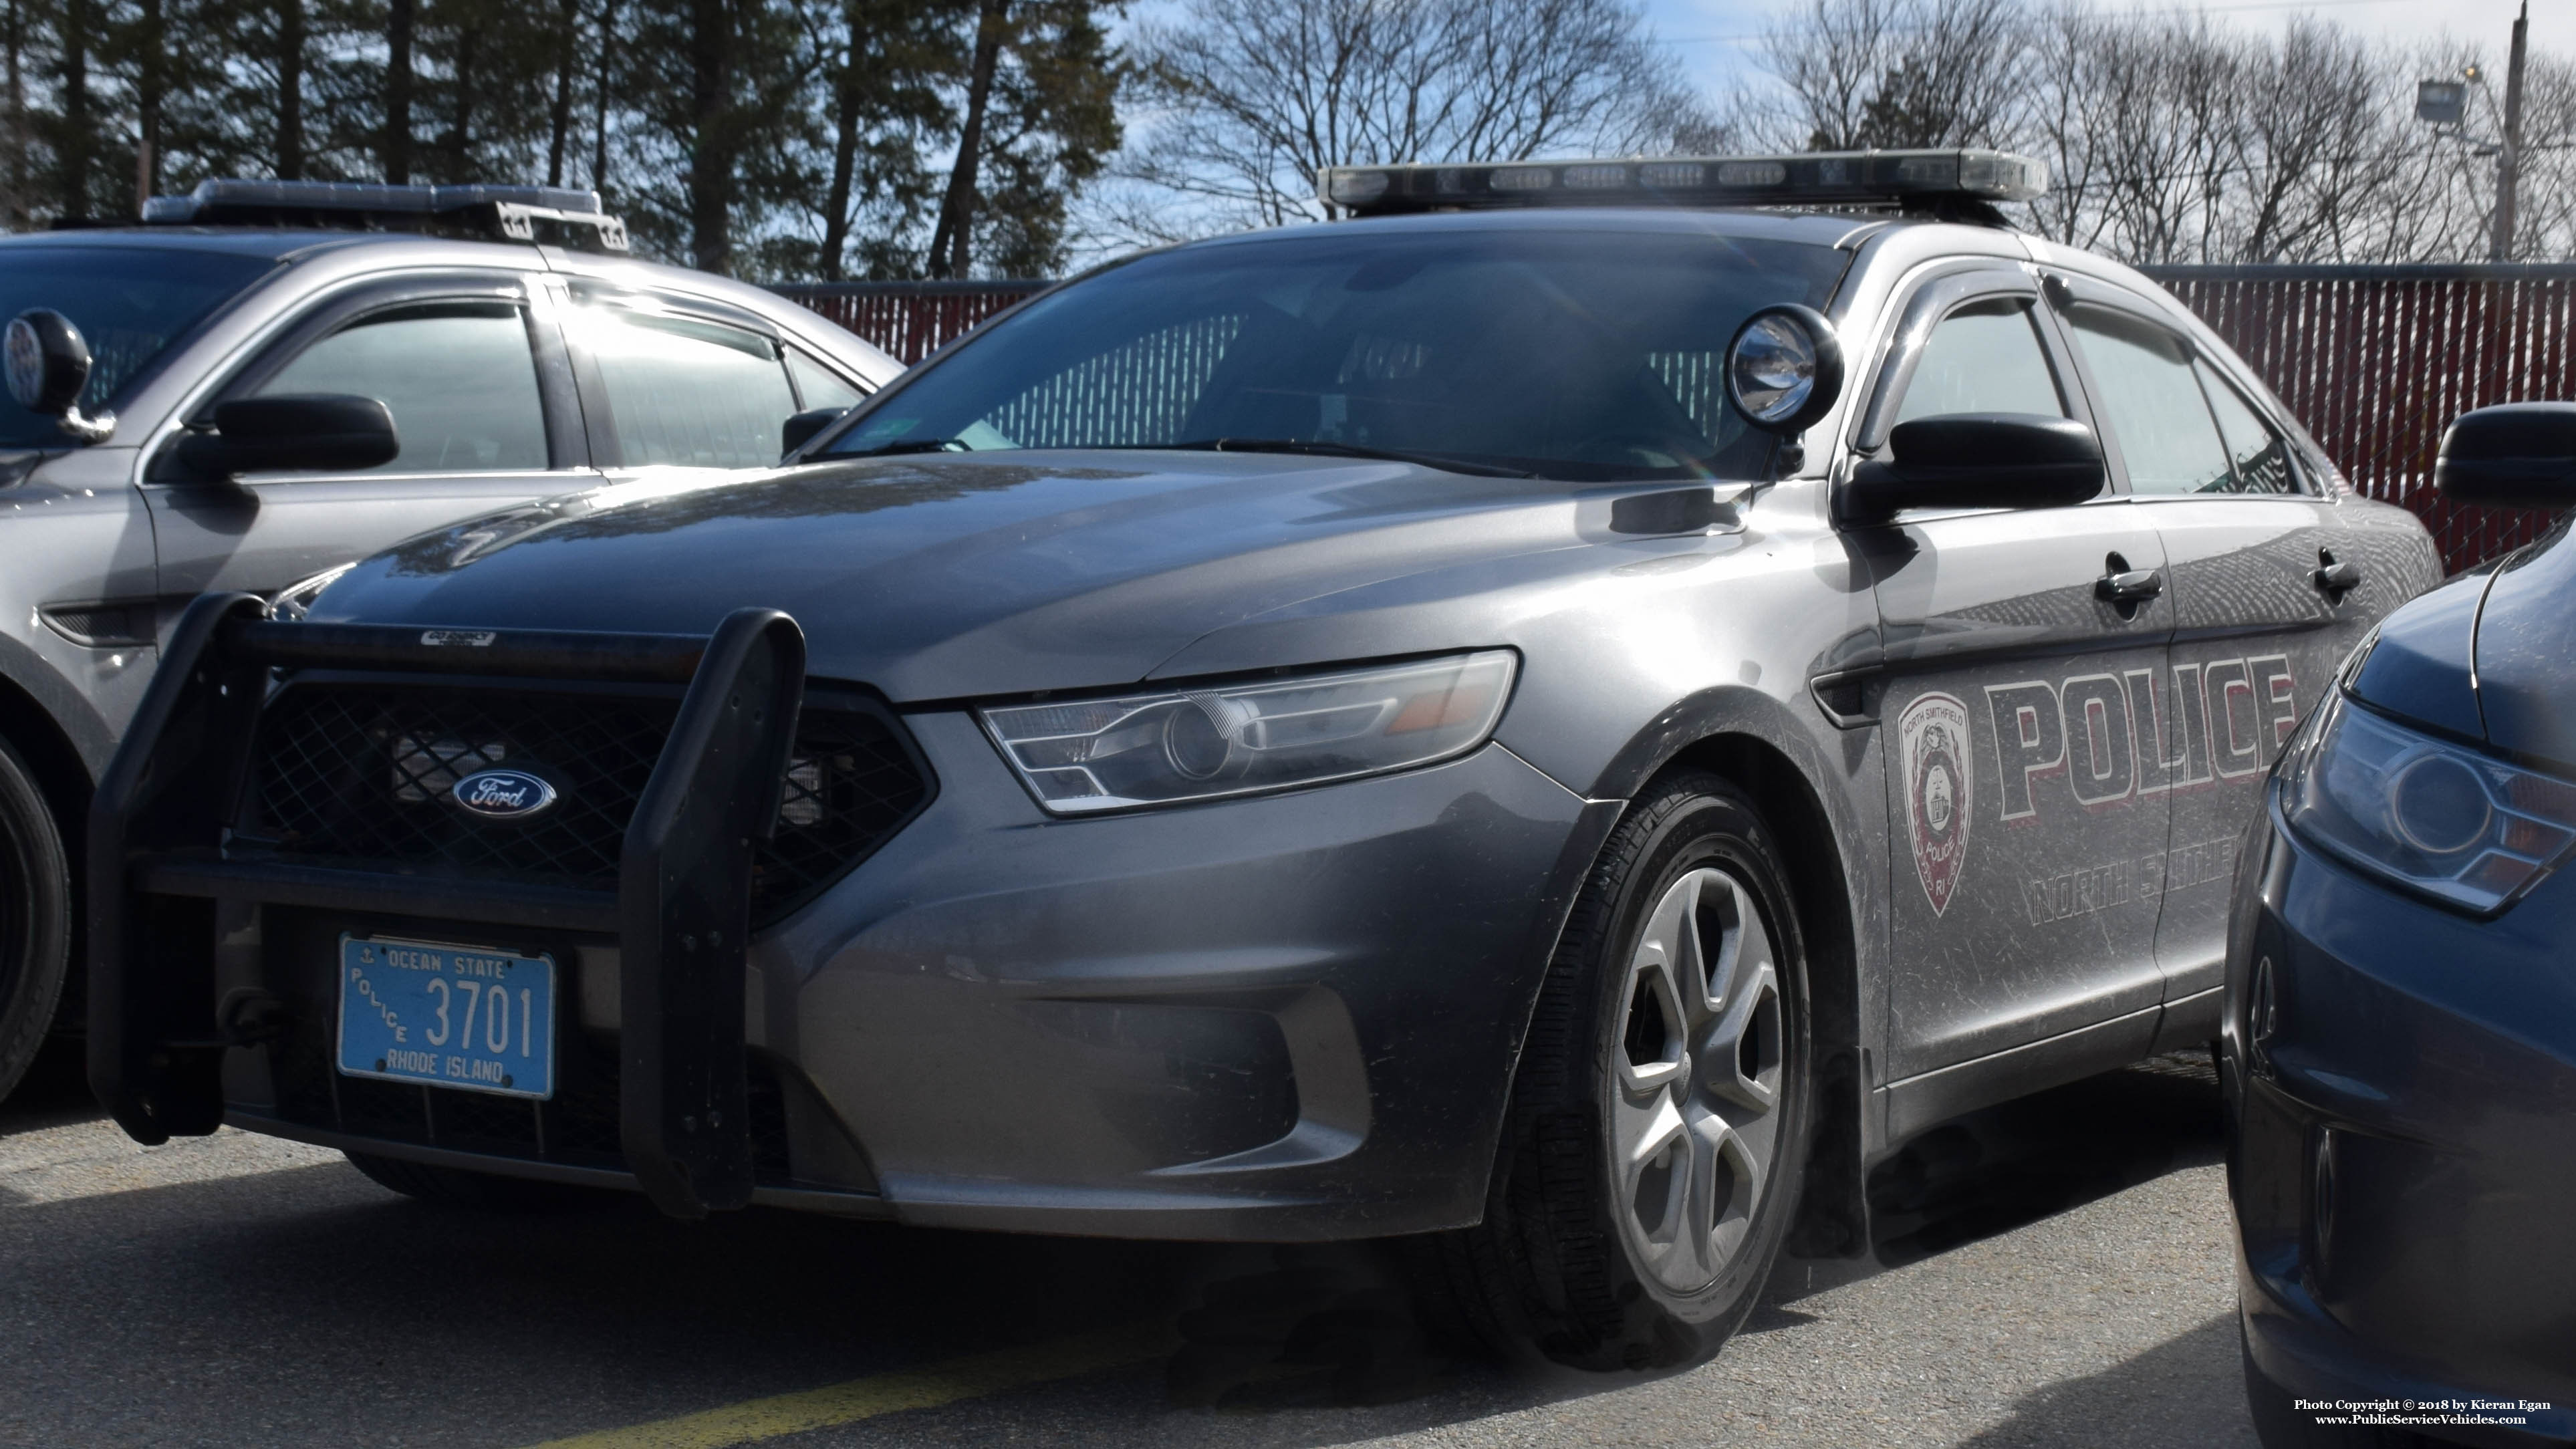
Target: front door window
x=457, y=377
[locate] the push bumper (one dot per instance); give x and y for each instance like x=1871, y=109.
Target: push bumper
x=2402, y=1152
x=161, y=896
x=1289, y=1017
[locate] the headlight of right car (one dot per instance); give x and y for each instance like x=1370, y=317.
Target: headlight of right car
x=294, y=601
x=1184, y=744
x=2455, y=824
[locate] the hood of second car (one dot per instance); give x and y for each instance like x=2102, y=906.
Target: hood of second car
x=952, y=575
x=2526, y=636
x=2485, y=655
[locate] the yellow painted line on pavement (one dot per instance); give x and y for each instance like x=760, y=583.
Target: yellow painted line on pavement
x=974, y=1376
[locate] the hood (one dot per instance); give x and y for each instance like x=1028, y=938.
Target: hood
x=954, y=575
x=2485, y=655
x=2526, y=639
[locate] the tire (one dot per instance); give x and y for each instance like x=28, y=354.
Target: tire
x=1604, y=1269
x=2280, y=1425
x=35, y=919
x=453, y=1187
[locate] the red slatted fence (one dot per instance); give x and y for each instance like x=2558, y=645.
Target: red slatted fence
x=908, y=320
x=2376, y=360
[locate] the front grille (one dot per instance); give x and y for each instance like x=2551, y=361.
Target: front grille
x=359, y=775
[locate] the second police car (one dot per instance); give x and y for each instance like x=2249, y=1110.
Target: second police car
x=270, y=378
x=1561, y=717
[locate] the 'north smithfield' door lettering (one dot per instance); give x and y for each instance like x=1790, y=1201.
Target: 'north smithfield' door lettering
x=2117, y=737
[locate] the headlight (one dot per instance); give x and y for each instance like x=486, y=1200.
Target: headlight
x=2453, y=823
x=1200, y=744
x=294, y=601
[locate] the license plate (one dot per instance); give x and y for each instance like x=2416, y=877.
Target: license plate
x=447, y=1016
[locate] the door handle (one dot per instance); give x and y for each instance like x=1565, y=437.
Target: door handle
x=2129, y=586
x=2334, y=579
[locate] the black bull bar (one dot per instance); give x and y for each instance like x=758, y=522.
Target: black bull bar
x=681, y=911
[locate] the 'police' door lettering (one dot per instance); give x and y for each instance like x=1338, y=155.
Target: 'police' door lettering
x=2114, y=740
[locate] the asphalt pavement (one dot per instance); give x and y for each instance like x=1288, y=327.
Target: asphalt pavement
x=2055, y=1272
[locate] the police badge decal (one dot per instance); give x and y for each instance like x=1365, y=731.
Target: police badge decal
x=1932, y=746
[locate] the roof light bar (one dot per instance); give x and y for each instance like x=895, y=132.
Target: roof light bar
x=1814, y=178
x=509, y=212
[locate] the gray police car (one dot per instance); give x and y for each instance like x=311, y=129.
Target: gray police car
x=255, y=387
x=1558, y=718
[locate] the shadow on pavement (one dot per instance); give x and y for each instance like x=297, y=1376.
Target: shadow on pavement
x=54, y=1091
x=1992, y=1171
x=310, y=1306
x=1318, y=1326
x=2158, y=1398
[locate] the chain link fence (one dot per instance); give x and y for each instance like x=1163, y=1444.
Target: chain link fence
x=2376, y=360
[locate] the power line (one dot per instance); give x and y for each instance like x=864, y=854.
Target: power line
x=2139, y=13
x=2112, y=179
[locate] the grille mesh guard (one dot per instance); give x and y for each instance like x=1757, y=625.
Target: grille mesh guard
x=358, y=775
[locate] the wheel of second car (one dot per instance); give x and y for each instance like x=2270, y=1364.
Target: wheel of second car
x=35, y=919
x=1658, y=1120
x=483, y=1191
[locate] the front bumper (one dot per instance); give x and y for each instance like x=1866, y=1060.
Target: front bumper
x=2402, y=1146
x=1284, y=1017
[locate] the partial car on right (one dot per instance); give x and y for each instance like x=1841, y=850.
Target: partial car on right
x=2399, y=1039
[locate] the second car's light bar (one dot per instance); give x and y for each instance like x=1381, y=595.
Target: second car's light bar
x=506, y=212
x=1815, y=178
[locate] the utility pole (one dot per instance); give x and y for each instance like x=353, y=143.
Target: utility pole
x=2509, y=159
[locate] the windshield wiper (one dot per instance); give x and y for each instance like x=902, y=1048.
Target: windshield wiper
x=1442, y=461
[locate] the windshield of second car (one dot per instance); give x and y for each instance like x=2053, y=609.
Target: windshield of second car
x=1584, y=355
x=128, y=302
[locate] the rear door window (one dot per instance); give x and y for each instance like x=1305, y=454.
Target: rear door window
x=458, y=378
x=2260, y=456
x=818, y=386
x=2159, y=416
x=688, y=392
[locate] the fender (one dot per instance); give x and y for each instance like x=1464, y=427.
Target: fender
x=76, y=725
x=1748, y=735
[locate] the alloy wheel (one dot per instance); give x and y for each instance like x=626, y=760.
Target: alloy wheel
x=1693, y=1089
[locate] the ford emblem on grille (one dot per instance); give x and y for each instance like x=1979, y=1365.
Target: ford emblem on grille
x=503, y=794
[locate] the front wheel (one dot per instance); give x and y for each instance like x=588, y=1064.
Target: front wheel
x=1658, y=1122
x=35, y=919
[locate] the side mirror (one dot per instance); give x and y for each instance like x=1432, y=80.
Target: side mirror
x=1977, y=460
x=306, y=431
x=48, y=364
x=2519, y=455
x=800, y=429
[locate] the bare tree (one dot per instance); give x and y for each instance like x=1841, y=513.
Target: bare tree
x=2318, y=111
x=1241, y=101
x=2170, y=138
x=2546, y=224
x=2064, y=131
x=1858, y=74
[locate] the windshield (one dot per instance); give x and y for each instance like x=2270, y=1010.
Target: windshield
x=129, y=302
x=1583, y=355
